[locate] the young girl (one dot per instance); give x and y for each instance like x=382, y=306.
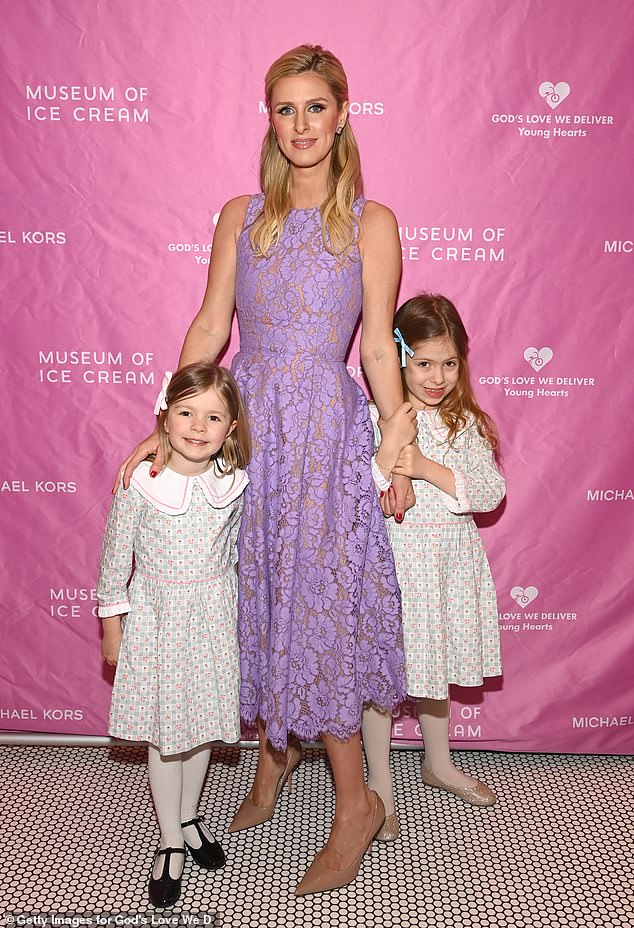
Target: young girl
x=172, y=633
x=450, y=620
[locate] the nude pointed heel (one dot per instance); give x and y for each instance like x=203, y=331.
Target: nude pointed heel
x=319, y=879
x=249, y=814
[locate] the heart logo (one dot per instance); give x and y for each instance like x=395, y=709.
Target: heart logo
x=538, y=357
x=524, y=595
x=553, y=94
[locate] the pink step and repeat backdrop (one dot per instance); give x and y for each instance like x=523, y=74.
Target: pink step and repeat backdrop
x=501, y=136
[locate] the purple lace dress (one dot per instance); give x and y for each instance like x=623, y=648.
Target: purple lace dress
x=318, y=605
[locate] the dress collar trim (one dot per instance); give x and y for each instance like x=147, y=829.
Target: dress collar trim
x=171, y=493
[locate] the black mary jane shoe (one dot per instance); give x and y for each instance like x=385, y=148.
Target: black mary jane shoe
x=165, y=891
x=209, y=855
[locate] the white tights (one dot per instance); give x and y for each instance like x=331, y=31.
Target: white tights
x=376, y=727
x=176, y=782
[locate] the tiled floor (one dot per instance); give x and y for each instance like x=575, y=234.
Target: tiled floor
x=79, y=835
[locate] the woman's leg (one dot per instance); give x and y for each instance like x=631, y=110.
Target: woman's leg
x=376, y=728
x=166, y=785
x=271, y=763
x=433, y=715
x=353, y=804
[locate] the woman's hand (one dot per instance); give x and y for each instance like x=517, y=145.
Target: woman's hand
x=111, y=643
x=149, y=445
x=399, y=498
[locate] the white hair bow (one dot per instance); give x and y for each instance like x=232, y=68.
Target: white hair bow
x=161, y=399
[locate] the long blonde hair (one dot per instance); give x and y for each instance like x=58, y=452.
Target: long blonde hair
x=430, y=315
x=197, y=378
x=338, y=222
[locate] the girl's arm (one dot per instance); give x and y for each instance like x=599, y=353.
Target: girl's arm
x=211, y=326
x=380, y=250
x=112, y=634
x=115, y=565
x=479, y=487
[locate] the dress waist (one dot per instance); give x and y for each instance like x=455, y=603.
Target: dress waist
x=288, y=353
x=172, y=580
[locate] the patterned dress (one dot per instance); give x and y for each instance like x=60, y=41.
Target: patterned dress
x=177, y=678
x=319, y=611
x=450, y=618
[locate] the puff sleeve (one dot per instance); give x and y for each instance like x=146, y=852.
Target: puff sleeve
x=480, y=487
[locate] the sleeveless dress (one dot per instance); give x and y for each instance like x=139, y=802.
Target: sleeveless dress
x=318, y=604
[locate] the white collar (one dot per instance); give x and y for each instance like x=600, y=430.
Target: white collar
x=431, y=418
x=171, y=493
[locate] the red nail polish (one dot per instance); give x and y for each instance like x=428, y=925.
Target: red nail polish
x=152, y=473
x=382, y=495
x=398, y=516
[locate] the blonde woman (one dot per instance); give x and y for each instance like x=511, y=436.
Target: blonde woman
x=319, y=612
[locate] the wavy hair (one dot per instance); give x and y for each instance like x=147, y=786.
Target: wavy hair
x=339, y=225
x=430, y=315
x=196, y=378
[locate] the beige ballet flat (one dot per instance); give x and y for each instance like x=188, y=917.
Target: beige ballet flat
x=319, y=879
x=478, y=795
x=391, y=829
x=249, y=814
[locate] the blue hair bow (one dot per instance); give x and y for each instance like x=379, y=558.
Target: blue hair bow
x=405, y=349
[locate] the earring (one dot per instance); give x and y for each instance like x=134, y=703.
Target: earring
x=338, y=130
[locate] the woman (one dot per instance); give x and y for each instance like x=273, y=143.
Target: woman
x=319, y=611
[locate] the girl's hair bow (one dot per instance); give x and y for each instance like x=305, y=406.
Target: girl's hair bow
x=161, y=399
x=405, y=349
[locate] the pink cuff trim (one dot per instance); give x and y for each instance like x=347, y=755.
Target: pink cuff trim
x=105, y=612
x=461, y=503
x=377, y=474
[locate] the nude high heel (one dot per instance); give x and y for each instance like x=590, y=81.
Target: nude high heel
x=319, y=879
x=249, y=814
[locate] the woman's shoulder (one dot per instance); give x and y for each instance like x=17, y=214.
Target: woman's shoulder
x=234, y=212
x=376, y=215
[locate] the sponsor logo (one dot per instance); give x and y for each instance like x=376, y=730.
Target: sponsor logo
x=38, y=486
x=523, y=596
x=610, y=495
x=96, y=103
x=452, y=243
x=72, y=602
x=618, y=246
x=95, y=367
x=553, y=125
x=531, y=621
x=29, y=714
x=554, y=94
x=465, y=722
x=355, y=108
x=538, y=385
x=31, y=237
x=537, y=358
x=602, y=721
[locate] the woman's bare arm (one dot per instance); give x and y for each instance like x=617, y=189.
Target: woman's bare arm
x=211, y=327
x=380, y=249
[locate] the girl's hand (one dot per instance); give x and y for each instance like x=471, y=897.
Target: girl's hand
x=411, y=463
x=400, y=429
x=111, y=643
x=149, y=445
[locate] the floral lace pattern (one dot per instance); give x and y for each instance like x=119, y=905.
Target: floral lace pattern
x=319, y=607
